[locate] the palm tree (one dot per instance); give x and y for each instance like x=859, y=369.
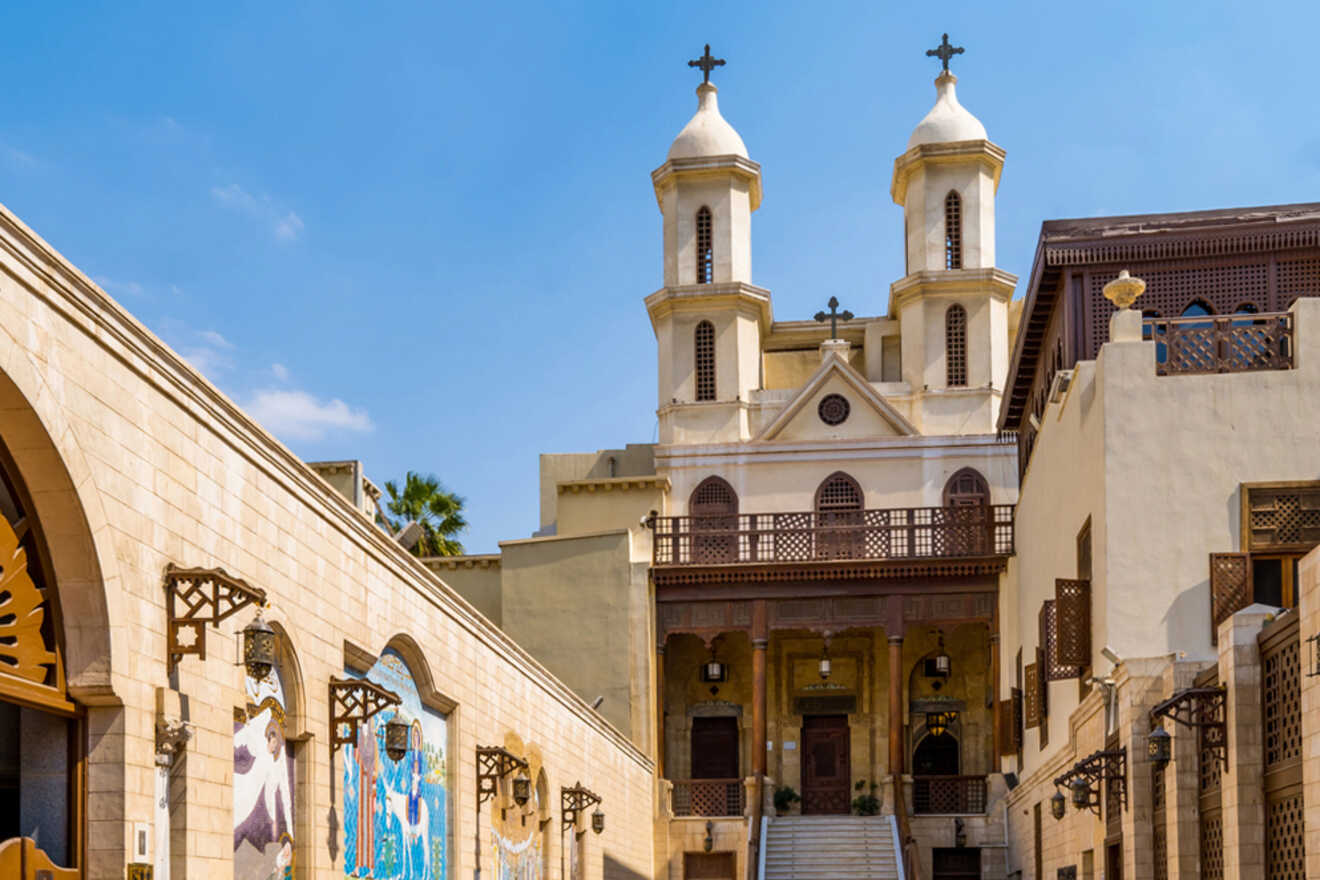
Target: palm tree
x=439, y=513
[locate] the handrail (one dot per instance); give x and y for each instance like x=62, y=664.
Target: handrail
x=909, y=855
x=1237, y=343
x=813, y=536
x=760, y=853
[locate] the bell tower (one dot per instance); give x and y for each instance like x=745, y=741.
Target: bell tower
x=709, y=317
x=952, y=302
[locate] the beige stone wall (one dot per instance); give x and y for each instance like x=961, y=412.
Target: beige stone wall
x=475, y=578
x=135, y=462
x=604, y=504
x=582, y=606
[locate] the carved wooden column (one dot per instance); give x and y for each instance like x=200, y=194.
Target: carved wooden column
x=660, y=710
x=760, y=641
x=896, y=704
x=996, y=743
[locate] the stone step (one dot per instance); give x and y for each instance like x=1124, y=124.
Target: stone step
x=830, y=848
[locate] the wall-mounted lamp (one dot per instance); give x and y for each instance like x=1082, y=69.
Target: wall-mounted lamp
x=1081, y=793
x=1083, y=779
x=397, y=733
x=1203, y=708
x=1058, y=805
x=572, y=801
x=709, y=843
x=1159, y=745
x=493, y=764
x=196, y=597
x=258, y=648
x=522, y=788
x=352, y=702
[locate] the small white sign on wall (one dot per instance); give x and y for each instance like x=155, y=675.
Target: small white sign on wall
x=790, y=745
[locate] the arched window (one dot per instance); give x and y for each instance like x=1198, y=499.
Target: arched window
x=704, y=346
x=966, y=488
x=839, y=518
x=713, y=507
x=713, y=497
x=705, y=255
x=953, y=230
x=837, y=493
x=955, y=345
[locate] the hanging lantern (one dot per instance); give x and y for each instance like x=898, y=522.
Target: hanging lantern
x=943, y=665
x=1081, y=792
x=522, y=789
x=598, y=821
x=1159, y=745
x=258, y=648
x=1058, y=804
x=825, y=662
x=937, y=723
x=396, y=737
x=713, y=671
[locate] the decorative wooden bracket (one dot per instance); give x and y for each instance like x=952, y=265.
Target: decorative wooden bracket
x=573, y=801
x=1201, y=708
x=352, y=702
x=493, y=764
x=198, y=596
x=1109, y=766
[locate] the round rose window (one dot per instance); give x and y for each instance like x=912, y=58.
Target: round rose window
x=834, y=409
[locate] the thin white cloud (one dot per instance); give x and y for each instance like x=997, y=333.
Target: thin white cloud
x=17, y=159
x=119, y=288
x=279, y=371
x=206, y=360
x=297, y=415
x=216, y=339
x=284, y=225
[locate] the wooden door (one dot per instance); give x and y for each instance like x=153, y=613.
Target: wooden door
x=708, y=866
x=21, y=859
x=826, y=766
x=714, y=748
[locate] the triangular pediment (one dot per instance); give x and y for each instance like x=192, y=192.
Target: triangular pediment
x=868, y=413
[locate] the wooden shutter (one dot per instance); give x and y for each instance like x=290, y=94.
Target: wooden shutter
x=1230, y=588
x=1031, y=696
x=1051, y=667
x=1019, y=719
x=1072, y=614
x=1010, y=724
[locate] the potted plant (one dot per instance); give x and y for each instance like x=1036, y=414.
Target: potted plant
x=785, y=797
x=865, y=804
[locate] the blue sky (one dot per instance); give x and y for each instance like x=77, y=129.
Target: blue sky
x=420, y=234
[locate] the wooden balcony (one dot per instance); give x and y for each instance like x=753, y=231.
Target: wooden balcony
x=1238, y=343
x=708, y=797
x=948, y=794
x=900, y=533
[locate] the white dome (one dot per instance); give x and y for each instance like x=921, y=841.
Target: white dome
x=947, y=121
x=707, y=134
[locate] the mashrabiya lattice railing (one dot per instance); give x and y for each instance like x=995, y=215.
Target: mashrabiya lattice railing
x=708, y=797
x=948, y=794
x=813, y=536
x=1237, y=343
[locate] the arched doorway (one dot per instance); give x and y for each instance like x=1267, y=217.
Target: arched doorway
x=936, y=755
x=40, y=727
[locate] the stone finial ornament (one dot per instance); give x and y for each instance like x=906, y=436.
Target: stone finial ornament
x=1124, y=290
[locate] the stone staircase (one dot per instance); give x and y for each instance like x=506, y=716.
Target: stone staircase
x=831, y=848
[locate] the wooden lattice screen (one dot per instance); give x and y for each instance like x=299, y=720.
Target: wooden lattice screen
x=1281, y=714
x=1031, y=690
x=1209, y=813
x=1053, y=669
x=1230, y=588
x=1282, y=518
x=1072, y=617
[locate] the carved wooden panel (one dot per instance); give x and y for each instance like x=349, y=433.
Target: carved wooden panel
x=1282, y=517
x=1031, y=690
x=1072, y=611
x=1281, y=697
x=1230, y=588
x=1285, y=845
x=1052, y=669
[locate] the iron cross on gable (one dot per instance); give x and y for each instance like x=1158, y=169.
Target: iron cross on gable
x=834, y=316
x=944, y=51
x=707, y=63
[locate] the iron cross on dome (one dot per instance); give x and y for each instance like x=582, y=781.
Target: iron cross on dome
x=944, y=52
x=834, y=316
x=707, y=63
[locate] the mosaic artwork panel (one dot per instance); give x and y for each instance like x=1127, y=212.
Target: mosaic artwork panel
x=263, y=784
